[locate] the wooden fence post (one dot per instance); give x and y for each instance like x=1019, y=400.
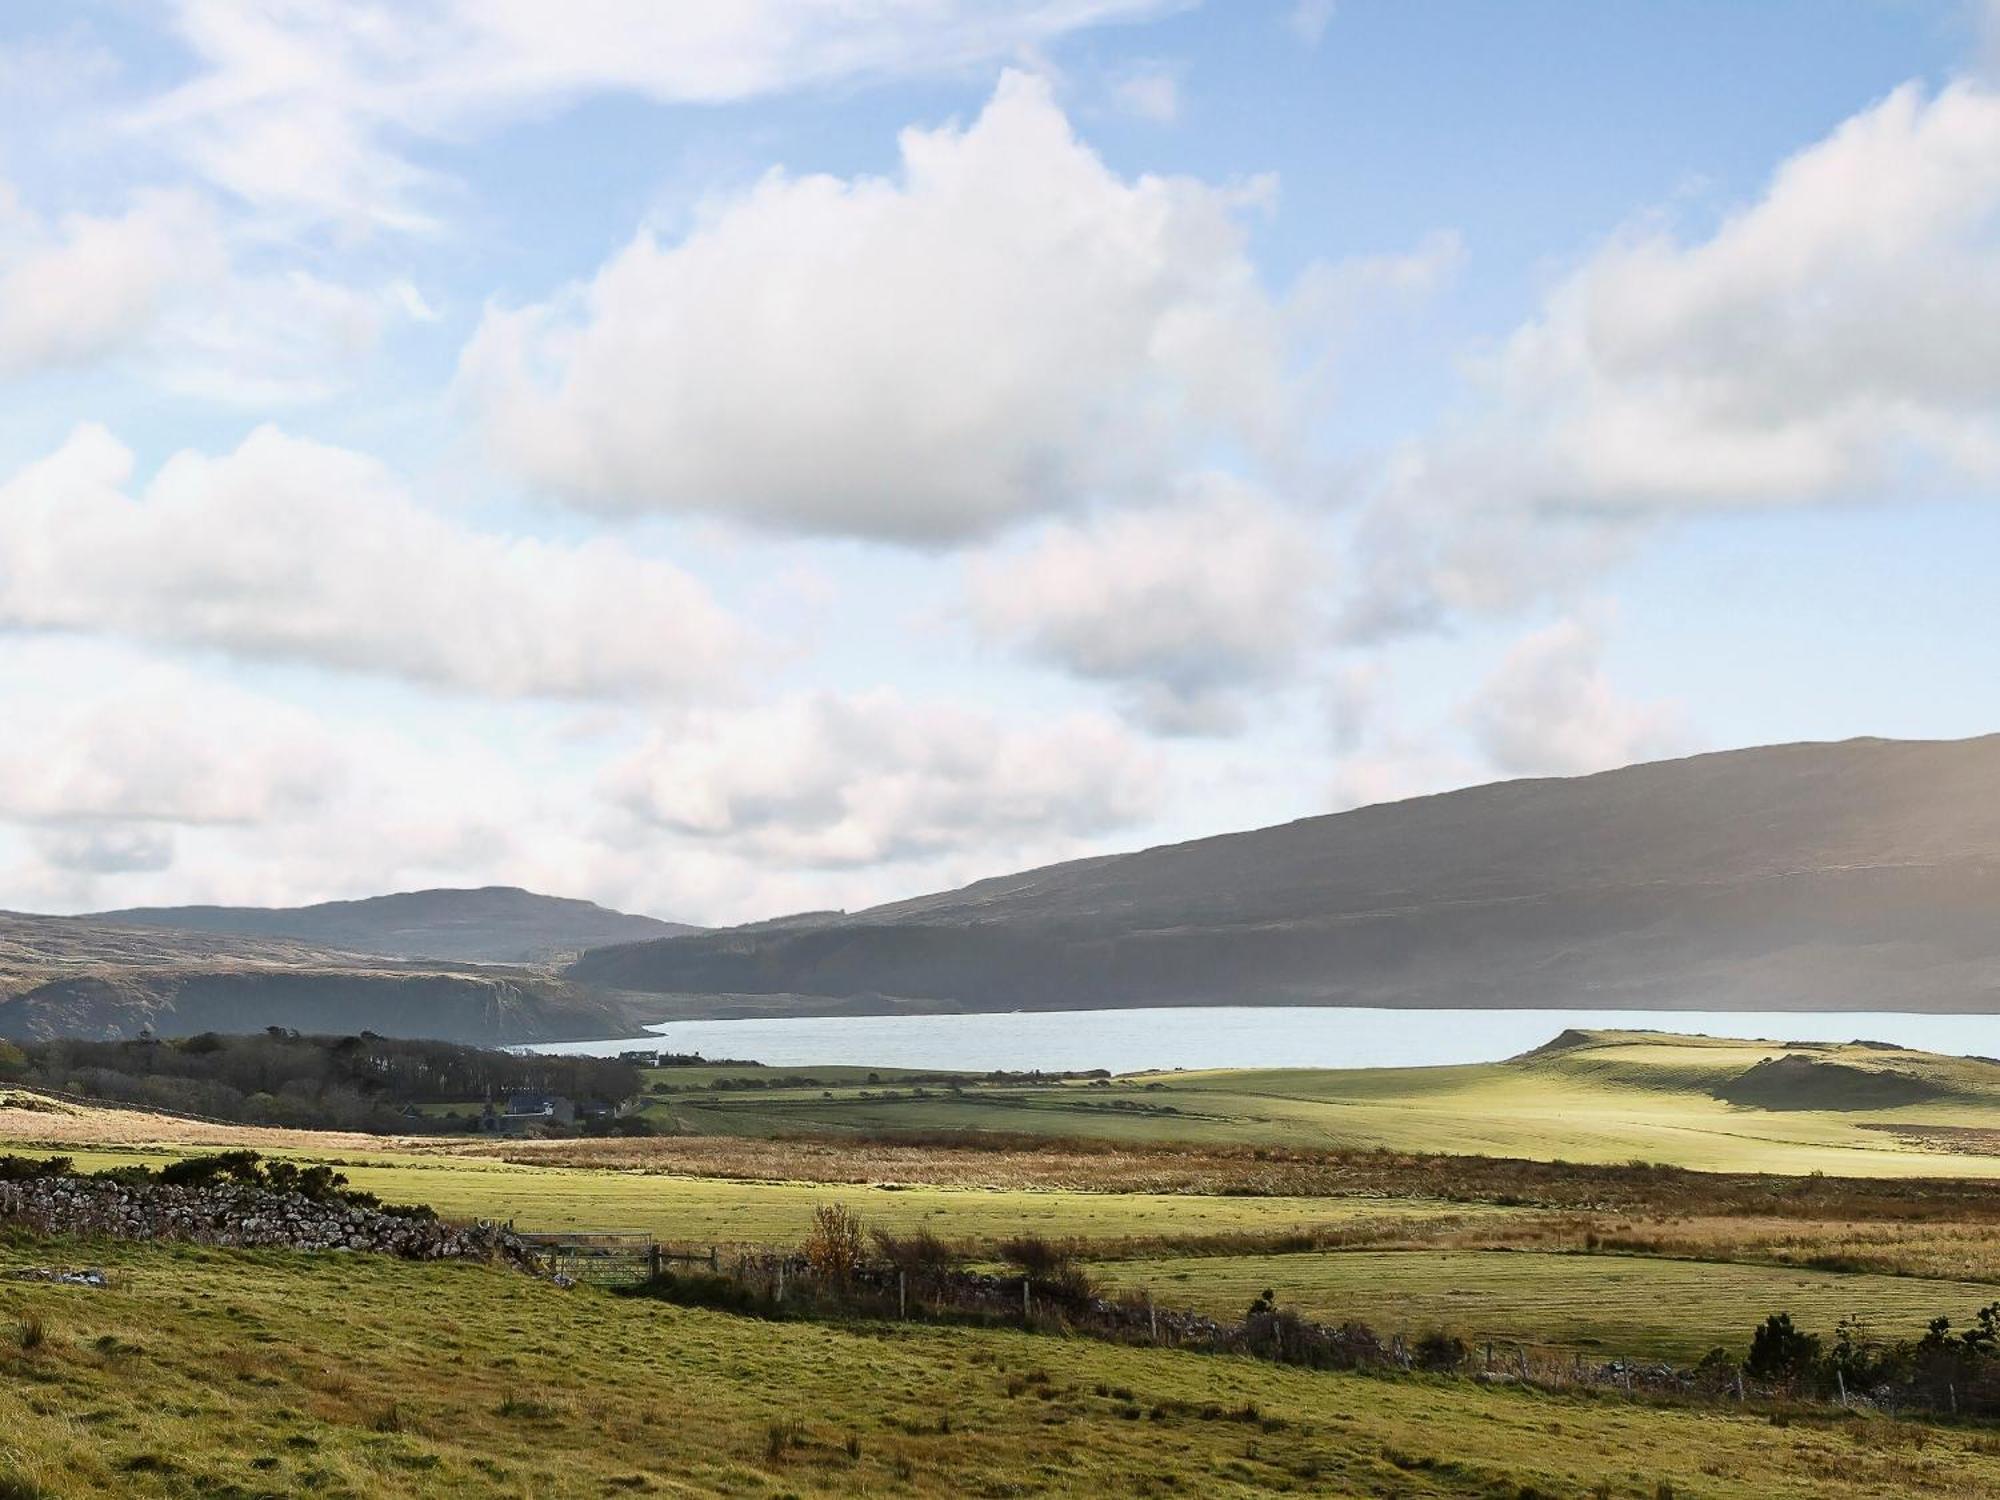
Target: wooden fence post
x=1025, y=1313
x=653, y=1259
x=902, y=1295
x=714, y=1261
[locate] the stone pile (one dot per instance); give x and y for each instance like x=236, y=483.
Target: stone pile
x=236, y=1215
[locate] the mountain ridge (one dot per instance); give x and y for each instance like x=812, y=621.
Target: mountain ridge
x=471, y=924
x=1858, y=874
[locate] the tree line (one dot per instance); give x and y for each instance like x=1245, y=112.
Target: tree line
x=280, y=1077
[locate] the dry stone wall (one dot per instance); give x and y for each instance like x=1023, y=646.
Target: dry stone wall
x=236, y=1215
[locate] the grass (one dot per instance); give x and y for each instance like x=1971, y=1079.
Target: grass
x=1608, y=1305
x=725, y=1211
x=256, y=1374
x=1612, y=1096
x=260, y=1374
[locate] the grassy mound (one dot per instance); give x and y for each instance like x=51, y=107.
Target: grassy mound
x=1797, y=1082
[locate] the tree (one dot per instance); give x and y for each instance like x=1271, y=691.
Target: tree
x=1778, y=1351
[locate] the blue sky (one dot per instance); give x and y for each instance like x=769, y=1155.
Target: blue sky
x=736, y=459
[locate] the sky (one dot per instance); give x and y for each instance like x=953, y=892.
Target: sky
x=736, y=459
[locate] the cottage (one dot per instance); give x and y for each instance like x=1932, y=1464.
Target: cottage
x=526, y=1112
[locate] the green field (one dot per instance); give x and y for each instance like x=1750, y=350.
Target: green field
x=205, y=1372
x=262, y=1374
x=1623, y=1305
x=1610, y=1097
x=705, y=1210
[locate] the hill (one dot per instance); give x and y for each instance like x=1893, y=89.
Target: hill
x=1860, y=1109
x=65, y=976
x=1861, y=875
x=493, y=924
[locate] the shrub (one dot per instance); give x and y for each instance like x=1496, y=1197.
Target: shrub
x=28, y=1168
x=921, y=1254
x=1778, y=1351
x=1439, y=1351
x=833, y=1247
x=1035, y=1255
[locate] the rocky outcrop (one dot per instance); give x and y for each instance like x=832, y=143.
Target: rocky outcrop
x=246, y=1217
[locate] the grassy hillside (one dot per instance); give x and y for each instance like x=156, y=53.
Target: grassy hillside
x=1713, y=1104
x=209, y=1372
x=1859, y=875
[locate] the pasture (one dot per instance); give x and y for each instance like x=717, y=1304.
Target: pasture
x=203, y=1372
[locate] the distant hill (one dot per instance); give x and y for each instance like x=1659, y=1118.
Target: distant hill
x=493, y=924
x=1863, y=875
x=67, y=976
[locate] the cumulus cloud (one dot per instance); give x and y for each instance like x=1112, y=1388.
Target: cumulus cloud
x=1185, y=609
x=165, y=747
x=159, y=283
x=113, y=850
x=309, y=107
x=831, y=781
x=78, y=290
x=289, y=550
x=1004, y=329
x=1549, y=710
x=1838, y=338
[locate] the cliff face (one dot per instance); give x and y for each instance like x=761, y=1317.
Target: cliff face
x=62, y=976
x=479, y=1008
x=1861, y=875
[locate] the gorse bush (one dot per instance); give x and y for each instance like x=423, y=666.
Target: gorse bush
x=920, y=1254
x=1036, y=1255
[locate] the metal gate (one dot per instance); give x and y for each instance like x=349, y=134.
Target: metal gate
x=612, y=1257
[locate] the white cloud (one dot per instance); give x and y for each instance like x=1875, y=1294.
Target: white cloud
x=1148, y=90
x=1003, y=330
x=76, y=291
x=309, y=107
x=1185, y=609
x=831, y=781
x=160, y=284
x=289, y=550
x=1308, y=20
x=1549, y=710
x=1838, y=338
x=165, y=746
x=109, y=850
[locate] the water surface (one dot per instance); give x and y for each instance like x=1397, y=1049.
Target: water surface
x=1128, y=1041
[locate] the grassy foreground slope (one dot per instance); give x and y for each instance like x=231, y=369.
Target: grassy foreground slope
x=263, y=1374
x=1855, y=1109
